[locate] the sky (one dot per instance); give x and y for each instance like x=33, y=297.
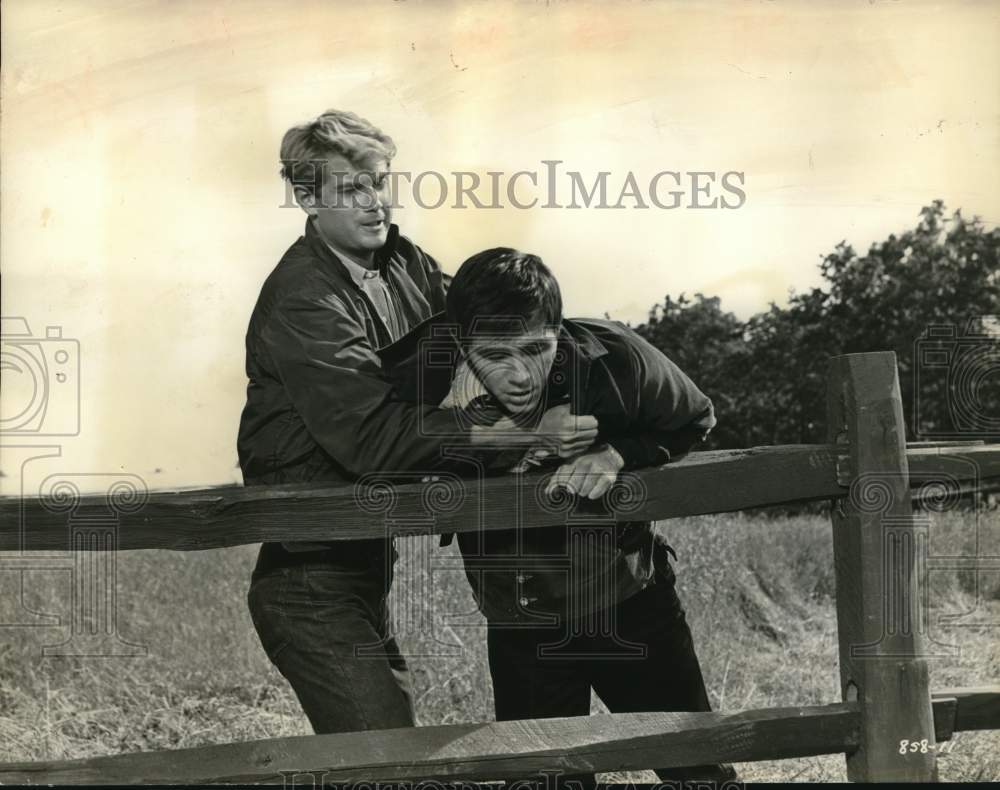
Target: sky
x=141, y=208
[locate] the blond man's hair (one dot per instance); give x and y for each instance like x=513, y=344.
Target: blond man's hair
x=333, y=132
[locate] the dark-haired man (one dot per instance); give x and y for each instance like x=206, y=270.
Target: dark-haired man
x=569, y=608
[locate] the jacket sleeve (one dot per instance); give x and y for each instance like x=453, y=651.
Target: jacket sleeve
x=422, y=267
x=333, y=378
x=670, y=415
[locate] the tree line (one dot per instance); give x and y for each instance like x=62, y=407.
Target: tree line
x=931, y=294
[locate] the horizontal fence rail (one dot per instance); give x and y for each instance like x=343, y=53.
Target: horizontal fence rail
x=511, y=749
x=702, y=482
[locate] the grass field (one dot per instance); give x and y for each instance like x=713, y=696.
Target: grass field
x=757, y=590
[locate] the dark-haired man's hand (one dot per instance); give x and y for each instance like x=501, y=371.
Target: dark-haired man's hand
x=588, y=475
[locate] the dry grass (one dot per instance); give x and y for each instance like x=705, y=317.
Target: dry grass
x=756, y=588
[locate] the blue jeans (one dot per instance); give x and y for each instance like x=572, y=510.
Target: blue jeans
x=325, y=626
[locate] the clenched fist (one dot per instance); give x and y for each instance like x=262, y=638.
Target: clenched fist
x=565, y=434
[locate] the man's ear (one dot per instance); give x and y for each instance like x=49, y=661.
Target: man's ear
x=306, y=200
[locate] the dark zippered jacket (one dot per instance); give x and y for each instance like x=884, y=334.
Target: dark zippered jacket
x=646, y=407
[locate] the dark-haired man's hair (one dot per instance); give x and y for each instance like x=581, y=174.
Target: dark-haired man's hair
x=503, y=291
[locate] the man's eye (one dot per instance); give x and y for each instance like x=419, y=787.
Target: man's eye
x=495, y=356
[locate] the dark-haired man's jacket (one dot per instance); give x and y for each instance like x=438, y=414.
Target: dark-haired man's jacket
x=646, y=408
x=318, y=407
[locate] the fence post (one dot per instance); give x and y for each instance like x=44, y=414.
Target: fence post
x=882, y=664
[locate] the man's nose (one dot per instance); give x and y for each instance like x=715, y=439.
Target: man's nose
x=370, y=200
x=520, y=377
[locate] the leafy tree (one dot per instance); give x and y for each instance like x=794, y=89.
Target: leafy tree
x=944, y=274
x=705, y=342
x=767, y=376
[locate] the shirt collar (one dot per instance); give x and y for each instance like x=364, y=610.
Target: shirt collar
x=356, y=271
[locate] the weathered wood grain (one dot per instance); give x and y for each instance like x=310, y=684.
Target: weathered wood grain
x=495, y=750
x=707, y=482
x=880, y=639
x=492, y=750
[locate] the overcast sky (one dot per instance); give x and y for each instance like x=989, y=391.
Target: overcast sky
x=141, y=202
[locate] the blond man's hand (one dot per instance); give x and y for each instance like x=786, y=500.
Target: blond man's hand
x=565, y=434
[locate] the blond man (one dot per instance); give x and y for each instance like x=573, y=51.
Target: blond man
x=319, y=408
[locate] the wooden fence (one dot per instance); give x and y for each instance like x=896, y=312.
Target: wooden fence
x=888, y=724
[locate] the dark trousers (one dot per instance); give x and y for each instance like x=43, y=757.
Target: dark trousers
x=645, y=661
x=326, y=629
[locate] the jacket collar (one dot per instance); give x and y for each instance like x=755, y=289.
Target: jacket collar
x=581, y=340
x=405, y=351
x=383, y=255
x=572, y=368
x=402, y=358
